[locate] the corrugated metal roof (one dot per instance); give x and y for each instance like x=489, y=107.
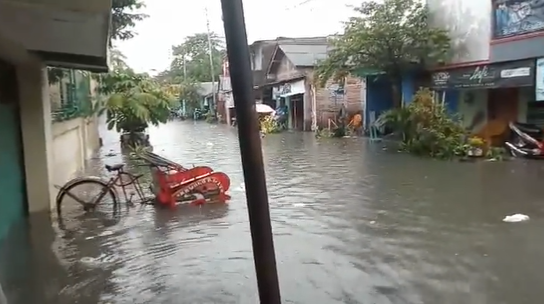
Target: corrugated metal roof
x=304, y=54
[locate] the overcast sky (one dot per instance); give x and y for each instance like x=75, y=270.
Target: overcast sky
x=171, y=20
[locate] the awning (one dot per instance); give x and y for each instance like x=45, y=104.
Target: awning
x=497, y=75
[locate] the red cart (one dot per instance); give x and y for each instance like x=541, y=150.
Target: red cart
x=173, y=183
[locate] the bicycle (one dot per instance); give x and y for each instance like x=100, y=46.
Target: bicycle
x=121, y=179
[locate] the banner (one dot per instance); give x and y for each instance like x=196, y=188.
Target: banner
x=498, y=75
x=539, y=81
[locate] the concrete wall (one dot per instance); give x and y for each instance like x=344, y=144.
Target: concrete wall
x=469, y=25
x=37, y=136
x=74, y=142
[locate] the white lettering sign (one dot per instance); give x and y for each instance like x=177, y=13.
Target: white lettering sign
x=519, y=72
x=203, y=181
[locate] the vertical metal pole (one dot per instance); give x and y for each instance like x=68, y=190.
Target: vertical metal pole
x=250, y=150
x=212, y=70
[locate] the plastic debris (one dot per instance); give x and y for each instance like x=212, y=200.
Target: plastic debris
x=516, y=218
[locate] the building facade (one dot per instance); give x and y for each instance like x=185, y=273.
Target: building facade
x=497, y=47
x=62, y=33
x=291, y=72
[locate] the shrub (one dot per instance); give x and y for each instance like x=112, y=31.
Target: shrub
x=426, y=128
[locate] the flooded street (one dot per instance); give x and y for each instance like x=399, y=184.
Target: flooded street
x=352, y=224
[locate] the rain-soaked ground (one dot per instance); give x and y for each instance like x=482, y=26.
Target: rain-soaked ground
x=352, y=224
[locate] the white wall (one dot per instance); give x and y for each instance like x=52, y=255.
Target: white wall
x=469, y=24
x=74, y=142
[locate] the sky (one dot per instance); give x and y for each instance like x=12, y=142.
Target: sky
x=170, y=21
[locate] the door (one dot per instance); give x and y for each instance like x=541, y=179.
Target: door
x=13, y=206
x=502, y=104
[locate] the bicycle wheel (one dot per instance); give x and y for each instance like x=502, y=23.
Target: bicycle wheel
x=87, y=196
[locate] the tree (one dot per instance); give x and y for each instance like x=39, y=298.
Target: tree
x=134, y=101
x=124, y=18
x=390, y=36
x=194, y=52
x=118, y=60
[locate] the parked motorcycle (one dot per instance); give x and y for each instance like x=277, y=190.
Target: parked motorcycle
x=526, y=140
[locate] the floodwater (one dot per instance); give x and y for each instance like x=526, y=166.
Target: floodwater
x=352, y=223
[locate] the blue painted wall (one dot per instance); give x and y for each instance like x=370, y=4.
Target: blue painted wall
x=378, y=96
x=12, y=198
x=407, y=89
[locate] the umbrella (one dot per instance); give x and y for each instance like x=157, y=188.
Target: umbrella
x=264, y=109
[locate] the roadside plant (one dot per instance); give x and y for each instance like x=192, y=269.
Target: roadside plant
x=425, y=128
x=269, y=125
x=133, y=101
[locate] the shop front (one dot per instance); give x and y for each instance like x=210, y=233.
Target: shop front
x=291, y=96
x=487, y=96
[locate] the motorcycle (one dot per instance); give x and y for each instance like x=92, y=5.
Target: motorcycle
x=526, y=140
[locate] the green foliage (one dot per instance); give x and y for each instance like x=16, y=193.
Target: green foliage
x=189, y=91
x=134, y=101
x=426, y=128
x=124, y=17
x=391, y=36
x=496, y=153
x=196, y=51
x=118, y=61
x=269, y=125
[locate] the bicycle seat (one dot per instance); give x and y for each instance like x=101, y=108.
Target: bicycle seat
x=115, y=167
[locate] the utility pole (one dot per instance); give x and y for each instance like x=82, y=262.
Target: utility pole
x=212, y=70
x=251, y=152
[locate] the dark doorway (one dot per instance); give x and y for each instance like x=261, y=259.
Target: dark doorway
x=297, y=112
x=502, y=104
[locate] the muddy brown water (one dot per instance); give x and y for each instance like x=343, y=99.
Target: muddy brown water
x=352, y=224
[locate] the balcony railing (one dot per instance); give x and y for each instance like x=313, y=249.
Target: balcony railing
x=71, y=96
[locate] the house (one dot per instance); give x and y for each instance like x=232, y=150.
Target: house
x=497, y=79
x=63, y=33
x=495, y=75
x=208, y=93
x=290, y=76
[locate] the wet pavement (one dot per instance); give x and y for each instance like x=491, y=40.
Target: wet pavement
x=352, y=224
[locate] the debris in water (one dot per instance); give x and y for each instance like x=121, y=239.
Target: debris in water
x=516, y=218
x=106, y=233
x=372, y=222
